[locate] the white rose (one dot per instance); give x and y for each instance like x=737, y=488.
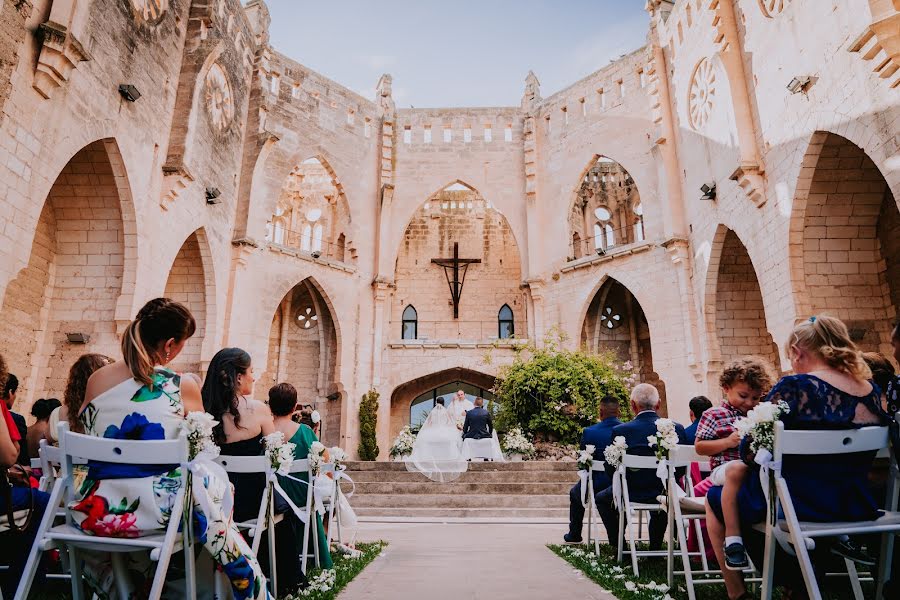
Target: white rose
x=764, y=412
x=317, y=447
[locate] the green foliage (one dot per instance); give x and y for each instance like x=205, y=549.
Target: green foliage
x=368, y=425
x=345, y=570
x=553, y=393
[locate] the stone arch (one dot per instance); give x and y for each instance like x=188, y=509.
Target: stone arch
x=604, y=184
x=404, y=394
x=304, y=350
x=615, y=321
x=80, y=275
x=734, y=311
x=844, y=251
x=191, y=281
x=312, y=187
x=457, y=214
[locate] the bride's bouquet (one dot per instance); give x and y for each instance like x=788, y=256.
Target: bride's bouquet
x=759, y=424
x=199, y=426
x=666, y=438
x=279, y=452
x=615, y=451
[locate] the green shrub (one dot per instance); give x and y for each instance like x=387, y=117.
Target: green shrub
x=368, y=426
x=553, y=393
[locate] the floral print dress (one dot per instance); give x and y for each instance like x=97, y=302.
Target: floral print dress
x=114, y=500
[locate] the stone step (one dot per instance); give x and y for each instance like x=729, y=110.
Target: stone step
x=554, y=515
x=568, y=477
x=527, y=465
x=494, y=501
x=457, y=487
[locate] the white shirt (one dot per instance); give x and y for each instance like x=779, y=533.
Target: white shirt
x=459, y=408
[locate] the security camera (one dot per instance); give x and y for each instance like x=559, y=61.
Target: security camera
x=709, y=191
x=600, y=251
x=316, y=253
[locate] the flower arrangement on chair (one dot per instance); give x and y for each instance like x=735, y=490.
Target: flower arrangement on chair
x=615, y=451
x=279, y=452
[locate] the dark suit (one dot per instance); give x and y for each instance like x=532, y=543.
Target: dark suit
x=690, y=432
x=599, y=436
x=478, y=424
x=643, y=484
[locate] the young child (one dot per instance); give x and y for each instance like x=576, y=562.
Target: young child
x=744, y=382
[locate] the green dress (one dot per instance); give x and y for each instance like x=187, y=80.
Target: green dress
x=302, y=441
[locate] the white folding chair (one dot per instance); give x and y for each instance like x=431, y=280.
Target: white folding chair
x=630, y=509
x=78, y=449
x=483, y=449
x=684, y=509
x=802, y=534
x=265, y=517
x=590, y=510
x=49, y=462
x=297, y=467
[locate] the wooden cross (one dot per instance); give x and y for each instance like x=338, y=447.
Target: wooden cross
x=456, y=284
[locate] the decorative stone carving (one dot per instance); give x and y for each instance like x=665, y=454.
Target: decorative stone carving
x=771, y=8
x=60, y=54
x=149, y=12
x=219, y=98
x=306, y=318
x=701, y=93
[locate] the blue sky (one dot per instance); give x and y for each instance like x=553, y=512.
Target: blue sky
x=456, y=52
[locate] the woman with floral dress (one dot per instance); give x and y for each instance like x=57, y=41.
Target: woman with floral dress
x=139, y=399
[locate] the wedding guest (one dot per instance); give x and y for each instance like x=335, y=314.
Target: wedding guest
x=40, y=430
x=243, y=423
x=73, y=397
x=744, y=382
x=22, y=497
x=696, y=406
x=830, y=390
x=599, y=436
x=283, y=403
x=312, y=419
x=892, y=392
x=9, y=398
x=643, y=484
x=140, y=399
x=882, y=372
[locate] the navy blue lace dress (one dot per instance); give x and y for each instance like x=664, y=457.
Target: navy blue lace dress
x=823, y=488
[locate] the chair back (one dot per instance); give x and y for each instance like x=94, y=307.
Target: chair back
x=634, y=461
x=79, y=447
x=683, y=455
x=243, y=464
x=843, y=441
x=598, y=466
x=300, y=465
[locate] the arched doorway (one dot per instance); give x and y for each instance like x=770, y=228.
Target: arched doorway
x=190, y=282
x=849, y=260
x=303, y=351
x=63, y=303
x=616, y=322
x=412, y=401
x=607, y=211
x=312, y=214
x=735, y=296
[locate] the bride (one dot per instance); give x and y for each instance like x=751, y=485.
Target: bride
x=437, y=449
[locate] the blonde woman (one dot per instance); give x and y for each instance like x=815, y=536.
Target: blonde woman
x=829, y=390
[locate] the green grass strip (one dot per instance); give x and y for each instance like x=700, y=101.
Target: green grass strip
x=327, y=584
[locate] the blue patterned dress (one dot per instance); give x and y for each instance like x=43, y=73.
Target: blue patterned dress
x=137, y=500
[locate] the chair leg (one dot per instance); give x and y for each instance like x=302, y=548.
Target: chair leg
x=34, y=555
x=885, y=560
x=854, y=579
x=670, y=545
x=632, y=545
x=685, y=561
x=273, y=564
x=77, y=589
x=190, y=573
x=620, y=535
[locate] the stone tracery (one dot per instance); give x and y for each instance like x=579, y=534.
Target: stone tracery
x=702, y=93
x=219, y=98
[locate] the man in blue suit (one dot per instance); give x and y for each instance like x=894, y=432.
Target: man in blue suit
x=643, y=484
x=599, y=436
x=697, y=406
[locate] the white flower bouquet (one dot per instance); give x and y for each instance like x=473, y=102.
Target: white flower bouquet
x=615, y=451
x=199, y=426
x=316, y=457
x=759, y=424
x=586, y=458
x=338, y=456
x=666, y=438
x=515, y=442
x=279, y=452
x=403, y=443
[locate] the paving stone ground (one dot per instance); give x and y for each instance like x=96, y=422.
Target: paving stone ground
x=468, y=561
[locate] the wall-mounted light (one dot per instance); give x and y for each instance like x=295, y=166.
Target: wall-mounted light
x=129, y=92
x=78, y=338
x=600, y=251
x=709, y=191
x=212, y=195
x=799, y=84
x=333, y=396
x=316, y=253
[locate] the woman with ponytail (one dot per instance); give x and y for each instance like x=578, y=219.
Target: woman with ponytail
x=243, y=422
x=140, y=399
x=829, y=390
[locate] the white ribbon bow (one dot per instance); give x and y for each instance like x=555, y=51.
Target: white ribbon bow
x=766, y=463
x=617, y=487
x=662, y=470
x=301, y=514
x=584, y=476
x=203, y=466
x=340, y=474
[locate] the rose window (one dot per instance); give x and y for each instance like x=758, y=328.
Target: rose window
x=702, y=91
x=149, y=11
x=307, y=318
x=219, y=100
x=610, y=318
x=770, y=8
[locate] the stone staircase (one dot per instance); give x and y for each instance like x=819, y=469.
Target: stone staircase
x=530, y=491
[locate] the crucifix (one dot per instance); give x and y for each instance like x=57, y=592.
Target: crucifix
x=452, y=265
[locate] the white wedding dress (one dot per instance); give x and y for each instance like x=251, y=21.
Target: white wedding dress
x=437, y=450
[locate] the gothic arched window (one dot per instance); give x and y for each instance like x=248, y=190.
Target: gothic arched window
x=317, y=237
x=638, y=222
x=410, y=329
x=306, y=238
x=506, y=326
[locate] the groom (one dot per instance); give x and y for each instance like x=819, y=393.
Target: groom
x=478, y=424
